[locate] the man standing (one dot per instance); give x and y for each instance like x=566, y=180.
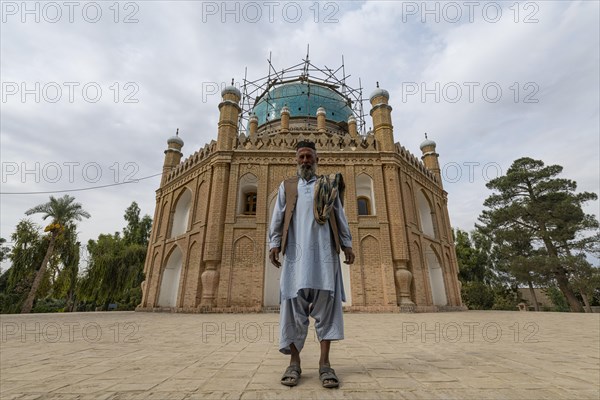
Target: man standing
x=309, y=228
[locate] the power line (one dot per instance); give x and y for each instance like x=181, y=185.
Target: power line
x=83, y=189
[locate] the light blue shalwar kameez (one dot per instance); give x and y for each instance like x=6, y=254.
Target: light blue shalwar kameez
x=311, y=279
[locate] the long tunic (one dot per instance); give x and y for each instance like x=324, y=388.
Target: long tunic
x=310, y=261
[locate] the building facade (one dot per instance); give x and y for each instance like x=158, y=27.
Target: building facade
x=208, y=249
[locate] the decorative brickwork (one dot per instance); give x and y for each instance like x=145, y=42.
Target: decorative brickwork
x=224, y=266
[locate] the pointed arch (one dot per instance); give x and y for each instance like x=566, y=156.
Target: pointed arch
x=170, y=276
x=426, y=214
x=247, y=194
x=436, y=277
x=180, y=214
x=365, y=196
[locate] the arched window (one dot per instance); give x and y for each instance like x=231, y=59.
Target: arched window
x=181, y=214
x=247, y=198
x=364, y=206
x=365, y=195
x=425, y=214
x=250, y=203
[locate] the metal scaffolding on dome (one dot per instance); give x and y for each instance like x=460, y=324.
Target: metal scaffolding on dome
x=305, y=72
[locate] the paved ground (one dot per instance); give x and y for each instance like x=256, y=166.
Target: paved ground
x=462, y=355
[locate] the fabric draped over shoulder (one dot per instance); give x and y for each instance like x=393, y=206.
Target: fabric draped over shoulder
x=327, y=189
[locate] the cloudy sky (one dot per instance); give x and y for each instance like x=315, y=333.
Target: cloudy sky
x=92, y=90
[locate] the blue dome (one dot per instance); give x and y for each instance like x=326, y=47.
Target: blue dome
x=302, y=99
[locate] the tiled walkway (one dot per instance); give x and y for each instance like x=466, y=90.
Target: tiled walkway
x=461, y=355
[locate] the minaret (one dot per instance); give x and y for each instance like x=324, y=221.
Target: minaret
x=213, y=245
x=253, y=125
x=352, y=127
x=321, y=113
x=228, y=118
x=172, y=155
x=430, y=158
x=381, y=112
x=285, y=119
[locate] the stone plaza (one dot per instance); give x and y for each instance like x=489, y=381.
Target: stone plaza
x=452, y=355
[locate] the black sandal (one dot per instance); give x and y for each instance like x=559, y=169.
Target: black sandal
x=327, y=373
x=292, y=373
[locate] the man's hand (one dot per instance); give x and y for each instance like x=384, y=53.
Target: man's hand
x=274, y=256
x=349, y=255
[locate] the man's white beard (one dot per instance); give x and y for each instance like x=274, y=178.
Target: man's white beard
x=306, y=172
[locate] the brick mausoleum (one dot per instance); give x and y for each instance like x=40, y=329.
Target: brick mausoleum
x=208, y=249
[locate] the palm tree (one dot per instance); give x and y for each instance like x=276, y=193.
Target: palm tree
x=62, y=211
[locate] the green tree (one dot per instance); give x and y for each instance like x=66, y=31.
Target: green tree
x=105, y=273
x=518, y=261
x=116, y=263
x=62, y=211
x=137, y=229
x=4, y=250
x=66, y=282
x=477, y=295
x=484, y=285
x=586, y=279
x=557, y=298
x=27, y=252
x=473, y=259
x=532, y=206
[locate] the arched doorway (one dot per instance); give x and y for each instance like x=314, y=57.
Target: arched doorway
x=272, y=273
x=169, y=285
x=436, y=279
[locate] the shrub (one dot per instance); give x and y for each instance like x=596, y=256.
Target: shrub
x=48, y=305
x=505, y=299
x=477, y=295
x=557, y=298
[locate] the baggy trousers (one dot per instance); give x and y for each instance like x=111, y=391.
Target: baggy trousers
x=319, y=304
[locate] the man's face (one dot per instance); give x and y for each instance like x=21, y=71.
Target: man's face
x=307, y=162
